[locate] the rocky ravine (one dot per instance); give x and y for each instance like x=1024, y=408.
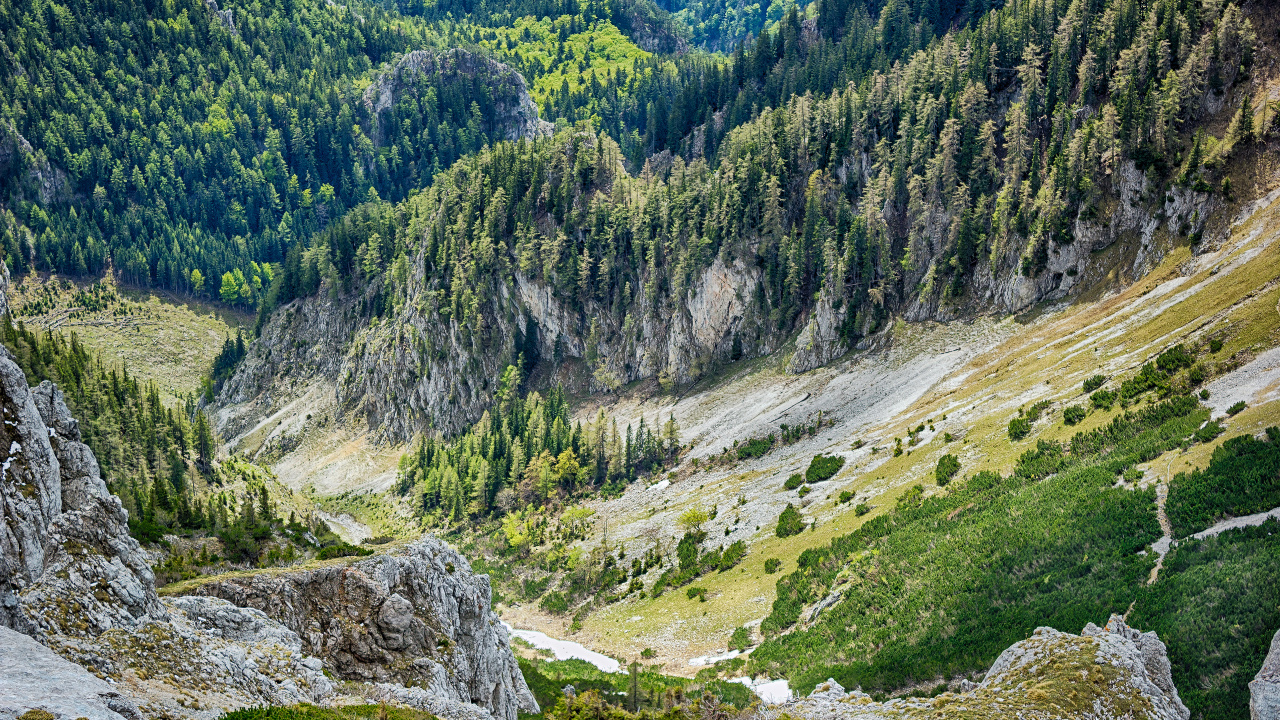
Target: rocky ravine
x=413, y=616
x=1110, y=672
x=73, y=579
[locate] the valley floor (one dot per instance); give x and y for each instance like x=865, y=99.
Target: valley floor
x=966, y=380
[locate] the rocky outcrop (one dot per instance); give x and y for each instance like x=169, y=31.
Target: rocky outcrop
x=73, y=579
x=35, y=178
x=820, y=341
x=413, y=616
x=32, y=677
x=87, y=574
x=1110, y=672
x=514, y=115
x=1264, y=691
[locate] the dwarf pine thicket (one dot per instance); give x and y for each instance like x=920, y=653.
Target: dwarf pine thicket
x=1053, y=543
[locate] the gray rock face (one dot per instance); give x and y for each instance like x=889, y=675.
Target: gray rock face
x=32, y=677
x=1264, y=691
x=423, y=372
x=72, y=578
x=30, y=491
x=414, y=616
x=515, y=115
x=67, y=563
x=81, y=478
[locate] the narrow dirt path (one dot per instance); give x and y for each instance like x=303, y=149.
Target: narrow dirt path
x=1161, y=546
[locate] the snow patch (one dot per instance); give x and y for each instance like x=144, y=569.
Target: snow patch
x=565, y=649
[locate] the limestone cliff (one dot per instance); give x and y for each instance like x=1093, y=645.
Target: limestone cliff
x=417, y=371
x=415, y=615
x=73, y=579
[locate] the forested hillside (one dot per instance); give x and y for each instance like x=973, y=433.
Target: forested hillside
x=177, y=144
x=979, y=175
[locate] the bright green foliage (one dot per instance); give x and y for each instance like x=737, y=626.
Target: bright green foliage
x=790, y=522
x=697, y=592
x=1215, y=607
x=845, y=496
x=948, y=466
x=1236, y=408
x=526, y=453
x=1242, y=479
x=794, y=480
x=1094, y=383
x=861, y=509
x=562, y=54
x=740, y=639
x=755, y=447
x=823, y=467
x=771, y=565
x=1103, y=399
x=1019, y=428
x=1052, y=544
x=1073, y=414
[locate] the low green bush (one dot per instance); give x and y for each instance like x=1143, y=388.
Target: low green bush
x=697, y=592
x=1237, y=408
x=1103, y=399
x=1094, y=383
x=555, y=603
x=755, y=447
x=771, y=565
x=1019, y=428
x=789, y=522
x=732, y=555
x=740, y=639
x=342, y=550
x=948, y=466
x=1243, y=477
x=1210, y=431
x=1074, y=414
x=861, y=509
x=793, y=482
x=823, y=467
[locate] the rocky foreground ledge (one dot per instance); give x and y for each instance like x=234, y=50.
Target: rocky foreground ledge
x=84, y=633
x=1110, y=672
x=415, y=616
